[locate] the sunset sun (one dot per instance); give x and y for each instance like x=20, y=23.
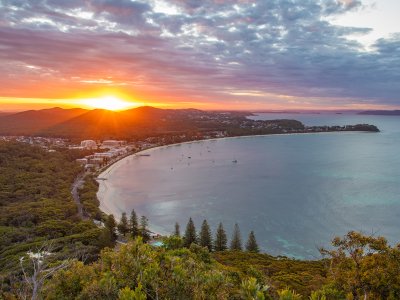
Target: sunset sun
x=109, y=103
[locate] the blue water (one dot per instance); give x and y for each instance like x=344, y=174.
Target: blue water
x=295, y=191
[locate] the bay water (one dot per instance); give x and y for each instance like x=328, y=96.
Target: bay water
x=296, y=192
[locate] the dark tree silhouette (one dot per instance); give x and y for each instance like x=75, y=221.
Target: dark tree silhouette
x=251, y=245
x=133, y=222
x=123, y=226
x=220, y=243
x=177, y=231
x=111, y=226
x=143, y=230
x=205, y=236
x=236, y=242
x=190, y=234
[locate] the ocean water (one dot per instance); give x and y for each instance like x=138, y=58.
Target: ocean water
x=295, y=191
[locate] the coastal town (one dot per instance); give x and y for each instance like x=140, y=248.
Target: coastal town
x=167, y=127
x=98, y=154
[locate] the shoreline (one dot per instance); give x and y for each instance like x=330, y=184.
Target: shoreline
x=107, y=169
x=105, y=208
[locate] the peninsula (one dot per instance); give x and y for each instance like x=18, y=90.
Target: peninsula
x=169, y=125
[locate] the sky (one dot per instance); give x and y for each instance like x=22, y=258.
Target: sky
x=211, y=54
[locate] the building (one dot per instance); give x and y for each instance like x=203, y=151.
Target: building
x=112, y=144
x=89, y=144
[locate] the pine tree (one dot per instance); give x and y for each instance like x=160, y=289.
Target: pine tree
x=133, y=222
x=190, y=234
x=236, y=242
x=111, y=226
x=251, y=245
x=143, y=230
x=220, y=239
x=177, y=230
x=205, y=236
x=123, y=226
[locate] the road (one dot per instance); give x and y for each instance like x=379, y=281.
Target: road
x=75, y=194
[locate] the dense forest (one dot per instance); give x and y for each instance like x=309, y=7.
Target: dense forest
x=36, y=207
x=48, y=252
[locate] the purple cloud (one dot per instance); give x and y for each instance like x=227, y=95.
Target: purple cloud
x=217, y=50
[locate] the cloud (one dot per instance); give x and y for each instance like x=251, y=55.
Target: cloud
x=210, y=49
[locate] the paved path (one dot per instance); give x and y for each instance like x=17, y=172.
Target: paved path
x=75, y=194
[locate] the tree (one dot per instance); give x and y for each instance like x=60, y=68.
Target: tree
x=133, y=222
x=190, y=234
x=42, y=268
x=177, y=230
x=365, y=266
x=143, y=230
x=123, y=226
x=251, y=245
x=111, y=226
x=205, y=236
x=220, y=243
x=236, y=242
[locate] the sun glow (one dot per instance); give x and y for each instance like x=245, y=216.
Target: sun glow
x=109, y=103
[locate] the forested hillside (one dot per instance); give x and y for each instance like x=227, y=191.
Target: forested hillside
x=36, y=207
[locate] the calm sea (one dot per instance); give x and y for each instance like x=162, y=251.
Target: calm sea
x=295, y=191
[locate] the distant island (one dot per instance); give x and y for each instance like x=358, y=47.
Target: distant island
x=381, y=112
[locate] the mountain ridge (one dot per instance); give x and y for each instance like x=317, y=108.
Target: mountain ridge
x=98, y=123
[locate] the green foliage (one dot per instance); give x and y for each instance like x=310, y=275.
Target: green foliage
x=205, y=236
x=143, y=230
x=287, y=294
x=123, y=226
x=236, y=242
x=279, y=273
x=327, y=292
x=37, y=206
x=365, y=266
x=172, y=242
x=177, y=231
x=251, y=245
x=127, y=294
x=111, y=226
x=190, y=234
x=220, y=242
x=133, y=223
x=156, y=272
x=88, y=197
x=251, y=290
x=317, y=296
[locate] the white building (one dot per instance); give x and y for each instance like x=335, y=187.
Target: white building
x=89, y=144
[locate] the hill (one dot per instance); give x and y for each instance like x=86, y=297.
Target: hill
x=134, y=122
x=100, y=123
x=2, y=113
x=34, y=122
